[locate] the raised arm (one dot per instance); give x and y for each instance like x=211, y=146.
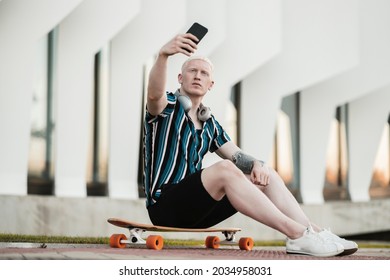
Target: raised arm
x=156, y=98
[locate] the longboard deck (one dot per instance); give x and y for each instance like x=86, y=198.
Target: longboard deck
x=149, y=227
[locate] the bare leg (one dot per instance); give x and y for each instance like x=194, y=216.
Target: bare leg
x=224, y=178
x=283, y=199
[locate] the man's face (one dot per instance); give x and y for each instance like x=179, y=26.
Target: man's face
x=196, y=77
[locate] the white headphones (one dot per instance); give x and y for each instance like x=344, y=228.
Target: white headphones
x=204, y=113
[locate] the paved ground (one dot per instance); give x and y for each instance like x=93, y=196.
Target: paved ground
x=29, y=251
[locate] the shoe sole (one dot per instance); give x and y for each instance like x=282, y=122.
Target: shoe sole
x=347, y=252
x=337, y=253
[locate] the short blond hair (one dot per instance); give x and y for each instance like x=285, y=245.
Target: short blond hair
x=203, y=58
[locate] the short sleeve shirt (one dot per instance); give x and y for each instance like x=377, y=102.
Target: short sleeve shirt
x=173, y=148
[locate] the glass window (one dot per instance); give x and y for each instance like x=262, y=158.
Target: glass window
x=97, y=172
x=285, y=159
x=380, y=183
x=233, y=114
x=41, y=153
x=336, y=178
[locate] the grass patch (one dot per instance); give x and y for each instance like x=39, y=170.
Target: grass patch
x=52, y=239
x=4, y=237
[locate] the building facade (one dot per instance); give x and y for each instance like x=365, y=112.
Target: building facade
x=302, y=84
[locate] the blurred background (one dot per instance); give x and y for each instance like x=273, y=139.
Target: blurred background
x=301, y=84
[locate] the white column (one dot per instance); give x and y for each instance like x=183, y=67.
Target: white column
x=81, y=35
x=316, y=113
x=319, y=102
x=22, y=24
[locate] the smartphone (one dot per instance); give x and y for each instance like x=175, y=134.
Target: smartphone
x=198, y=30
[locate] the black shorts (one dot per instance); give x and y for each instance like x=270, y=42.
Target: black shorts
x=188, y=204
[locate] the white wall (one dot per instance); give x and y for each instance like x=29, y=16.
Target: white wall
x=333, y=51
x=81, y=35
x=22, y=25
x=319, y=102
x=250, y=41
x=318, y=41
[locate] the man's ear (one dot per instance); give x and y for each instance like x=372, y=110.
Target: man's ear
x=211, y=85
x=180, y=78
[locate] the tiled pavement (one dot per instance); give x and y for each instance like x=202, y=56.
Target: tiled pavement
x=29, y=251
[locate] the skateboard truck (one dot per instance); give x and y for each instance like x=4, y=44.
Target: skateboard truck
x=230, y=236
x=135, y=236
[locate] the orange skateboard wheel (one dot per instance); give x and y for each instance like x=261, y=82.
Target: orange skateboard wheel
x=115, y=241
x=212, y=242
x=155, y=242
x=246, y=243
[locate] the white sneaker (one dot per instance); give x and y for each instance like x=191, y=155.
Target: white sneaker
x=311, y=243
x=350, y=247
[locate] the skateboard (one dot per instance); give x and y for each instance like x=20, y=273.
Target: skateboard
x=156, y=242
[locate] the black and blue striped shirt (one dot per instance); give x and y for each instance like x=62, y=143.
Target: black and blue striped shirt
x=173, y=148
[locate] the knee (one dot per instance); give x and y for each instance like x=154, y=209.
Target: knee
x=275, y=178
x=274, y=174
x=227, y=169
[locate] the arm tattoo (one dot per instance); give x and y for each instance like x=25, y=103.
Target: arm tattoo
x=244, y=161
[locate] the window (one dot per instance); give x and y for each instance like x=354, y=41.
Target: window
x=380, y=183
x=336, y=178
x=233, y=114
x=41, y=156
x=285, y=159
x=97, y=172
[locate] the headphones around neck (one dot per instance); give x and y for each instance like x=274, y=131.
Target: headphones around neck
x=204, y=113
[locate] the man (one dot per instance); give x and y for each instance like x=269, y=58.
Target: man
x=181, y=193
